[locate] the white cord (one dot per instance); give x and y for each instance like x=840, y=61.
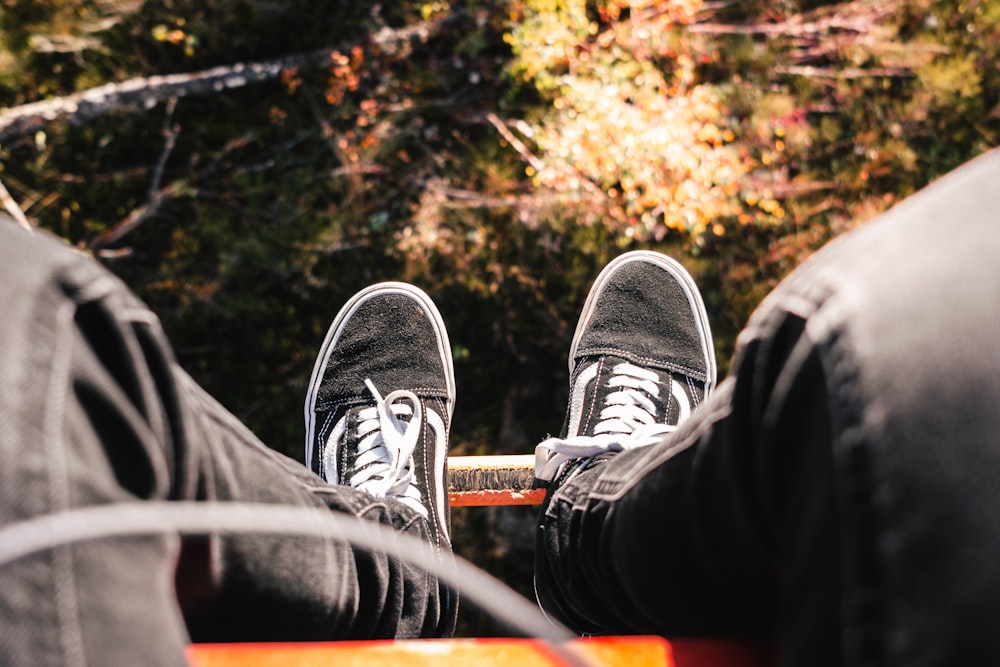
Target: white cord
x=189, y=517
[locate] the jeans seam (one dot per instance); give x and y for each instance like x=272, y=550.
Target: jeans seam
x=864, y=603
x=67, y=605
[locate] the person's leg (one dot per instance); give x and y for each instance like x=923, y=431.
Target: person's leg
x=94, y=410
x=371, y=457
x=378, y=411
x=643, y=319
x=643, y=315
x=677, y=538
x=838, y=492
x=79, y=425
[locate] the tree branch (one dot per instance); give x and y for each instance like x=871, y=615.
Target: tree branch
x=145, y=92
x=156, y=196
x=854, y=16
x=845, y=73
x=134, y=219
x=12, y=208
x=170, y=138
x=514, y=142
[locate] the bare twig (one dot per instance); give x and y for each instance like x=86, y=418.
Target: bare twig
x=457, y=198
x=157, y=195
x=146, y=92
x=856, y=16
x=515, y=143
x=142, y=93
x=108, y=15
x=330, y=138
x=844, y=73
x=170, y=138
x=470, y=199
x=63, y=43
x=12, y=208
x=531, y=159
x=352, y=170
x=135, y=218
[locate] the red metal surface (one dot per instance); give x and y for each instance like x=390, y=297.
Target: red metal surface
x=610, y=651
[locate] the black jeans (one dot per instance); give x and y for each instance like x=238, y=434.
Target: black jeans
x=94, y=410
x=839, y=494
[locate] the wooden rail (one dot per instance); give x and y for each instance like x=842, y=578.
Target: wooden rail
x=493, y=480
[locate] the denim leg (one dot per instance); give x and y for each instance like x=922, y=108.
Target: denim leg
x=713, y=533
x=838, y=493
x=262, y=588
x=94, y=410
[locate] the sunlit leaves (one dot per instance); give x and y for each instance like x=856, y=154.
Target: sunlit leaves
x=344, y=76
x=632, y=139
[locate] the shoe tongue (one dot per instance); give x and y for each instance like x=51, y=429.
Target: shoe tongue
x=641, y=319
x=392, y=344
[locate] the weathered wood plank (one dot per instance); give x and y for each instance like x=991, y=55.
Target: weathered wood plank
x=493, y=480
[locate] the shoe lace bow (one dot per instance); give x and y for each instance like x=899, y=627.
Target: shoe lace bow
x=388, y=433
x=627, y=421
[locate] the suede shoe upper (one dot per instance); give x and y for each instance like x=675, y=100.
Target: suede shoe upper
x=641, y=361
x=379, y=404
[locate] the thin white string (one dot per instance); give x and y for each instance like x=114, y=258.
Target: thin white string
x=189, y=517
x=384, y=463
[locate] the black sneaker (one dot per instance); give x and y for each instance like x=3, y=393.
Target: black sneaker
x=641, y=361
x=380, y=400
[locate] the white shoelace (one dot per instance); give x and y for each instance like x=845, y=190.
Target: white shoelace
x=627, y=421
x=384, y=463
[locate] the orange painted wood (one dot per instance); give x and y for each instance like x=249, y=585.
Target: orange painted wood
x=488, y=497
x=491, y=652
